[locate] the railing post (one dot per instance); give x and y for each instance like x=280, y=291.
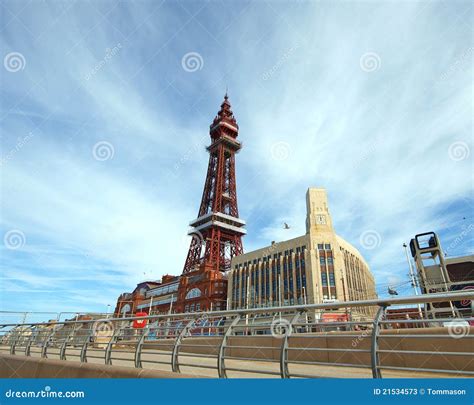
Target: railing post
x=44, y=347
x=108, y=349
x=177, y=343
x=374, y=342
x=138, y=349
x=28, y=344
x=284, y=348
x=85, y=345
x=14, y=340
x=62, y=350
x=220, y=359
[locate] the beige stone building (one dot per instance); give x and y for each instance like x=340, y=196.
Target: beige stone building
x=317, y=267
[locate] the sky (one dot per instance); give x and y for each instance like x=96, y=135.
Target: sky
x=105, y=113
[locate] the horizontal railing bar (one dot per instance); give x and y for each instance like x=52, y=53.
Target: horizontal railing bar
x=155, y=362
x=194, y=345
x=252, y=359
x=306, y=376
x=208, y=356
x=253, y=347
x=382, y=335
x=252, y=371
x=431, y=370
x=328, y=349
x=417, y=299
x=197, y=365
x=163, y=353
x=427, y=320
x=426, y=352
x=323, y=363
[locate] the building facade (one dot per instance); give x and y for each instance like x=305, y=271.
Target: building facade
x=318, y=267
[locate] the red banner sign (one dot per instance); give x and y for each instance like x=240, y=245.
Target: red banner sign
x=140, y=323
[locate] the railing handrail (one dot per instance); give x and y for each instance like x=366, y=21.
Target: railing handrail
x=386, y=302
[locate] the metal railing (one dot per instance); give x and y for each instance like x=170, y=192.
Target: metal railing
x=290, y=341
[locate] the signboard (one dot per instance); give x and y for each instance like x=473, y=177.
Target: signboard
x=140, y=323
x=334, y=317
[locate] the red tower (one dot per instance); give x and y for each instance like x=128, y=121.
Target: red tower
x=216, y=233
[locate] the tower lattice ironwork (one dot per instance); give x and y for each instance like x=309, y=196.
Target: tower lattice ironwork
x=216, y=233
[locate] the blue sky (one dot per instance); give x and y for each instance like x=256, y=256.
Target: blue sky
x=105, y=111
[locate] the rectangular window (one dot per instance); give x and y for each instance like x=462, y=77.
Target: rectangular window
x=322, y=261
x=327, y=246
x=298, y=249
x=330, y=260
x=324, y=280
x=332, y=281
x=186, y=308
x=320, y=246
x=198, y=306
x=191, y=308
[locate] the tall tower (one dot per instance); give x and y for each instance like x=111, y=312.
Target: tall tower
x=217, y=231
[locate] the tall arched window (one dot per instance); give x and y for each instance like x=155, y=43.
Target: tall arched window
x=193, y=293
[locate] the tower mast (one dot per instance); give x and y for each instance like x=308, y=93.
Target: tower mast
x=217, y=230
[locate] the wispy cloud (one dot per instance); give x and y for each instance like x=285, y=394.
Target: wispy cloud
x=313, y=110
